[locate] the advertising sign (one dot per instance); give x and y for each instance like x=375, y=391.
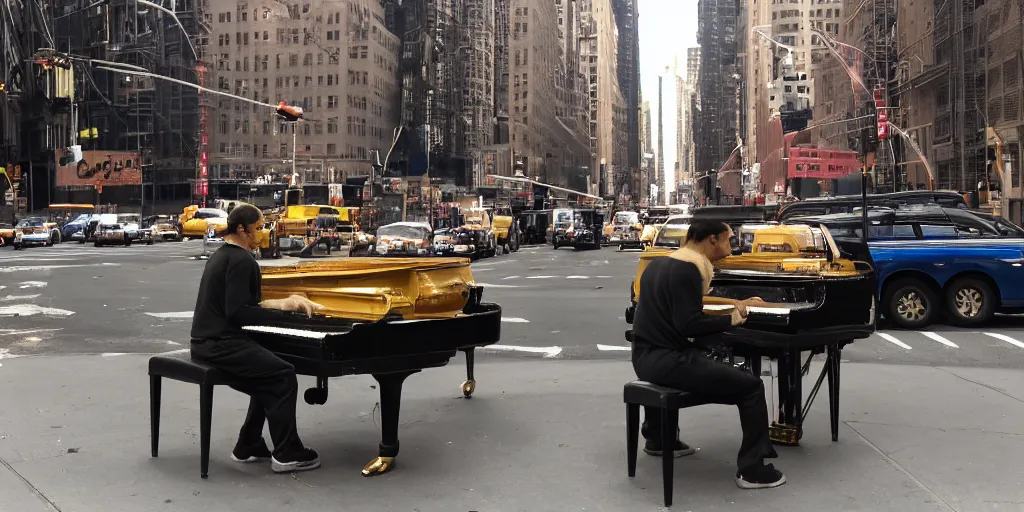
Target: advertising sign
x=99, y=169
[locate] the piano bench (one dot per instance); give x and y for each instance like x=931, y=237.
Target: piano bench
x=670, y=401
x=185, y=369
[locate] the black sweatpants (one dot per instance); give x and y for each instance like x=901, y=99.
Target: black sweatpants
x=693, y=371
x=270, y=383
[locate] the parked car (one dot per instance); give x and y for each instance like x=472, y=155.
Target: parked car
x=35, y=231
x=111, y=233
x=404, y=239
x=162, y=227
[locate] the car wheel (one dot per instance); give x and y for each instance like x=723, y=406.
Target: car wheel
x=970, y=301
x=54, y=237
x=97, y=244
x=910, y=304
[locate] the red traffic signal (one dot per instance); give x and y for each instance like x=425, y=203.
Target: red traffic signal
x=289, y=112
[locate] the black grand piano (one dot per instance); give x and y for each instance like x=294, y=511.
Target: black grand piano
x=390, y=349
x=816, y=303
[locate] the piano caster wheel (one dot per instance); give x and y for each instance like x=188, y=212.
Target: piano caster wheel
x=378, y=466
x=315, y=396
x=468, y=387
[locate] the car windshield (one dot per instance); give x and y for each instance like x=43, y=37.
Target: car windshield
x=211, y=213
x=128, y=217
x=671, y=235
x=31, y=223
x=400, y=231
x=81, y=218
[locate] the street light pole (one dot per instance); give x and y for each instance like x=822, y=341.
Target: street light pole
x=430, y=191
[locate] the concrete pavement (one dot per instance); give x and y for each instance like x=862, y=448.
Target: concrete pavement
x=537, y=436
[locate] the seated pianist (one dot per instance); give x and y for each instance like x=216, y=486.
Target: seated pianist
x=230, y=297
x=669, y=315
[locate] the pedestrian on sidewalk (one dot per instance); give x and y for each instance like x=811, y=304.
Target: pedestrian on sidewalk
x=669, y=316
x=230, y=298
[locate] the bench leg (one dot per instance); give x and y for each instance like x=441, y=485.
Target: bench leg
x=205, y=424
x=632, y=436
x=155, y=390
x=669, y=424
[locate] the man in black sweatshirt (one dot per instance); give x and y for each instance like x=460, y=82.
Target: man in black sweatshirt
x=230, y=298
x=669, y=316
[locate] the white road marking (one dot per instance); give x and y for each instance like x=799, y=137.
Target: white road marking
x=547, y=351
x=939, y=338
x=509, y=277
x=174, y=314
x=486, y=264
x=514, y=320
x=18, y=297
x=892, y=339
x=5, y=353
x=604, y=277
x=613, y=347
x=175, y=352
x=33, y=284
x=577, y=277
x=32, y=309
x=112, y=354
x=540, y=277
x=2, y=287
x=29, y=268
x=14, y=332
x=498, y=285
x=1005, y=338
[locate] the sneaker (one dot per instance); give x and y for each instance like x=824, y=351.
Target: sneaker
x=303, y=460
x=681, y=450
x=760, y=477
x=255, y=453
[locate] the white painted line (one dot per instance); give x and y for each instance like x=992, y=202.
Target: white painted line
x=547, y=351
x=939, y=338
x=175, y=314
x=604, y=277
x=32, y=284
x=32, y=309
x=613, y=347
x=514, y=320
x=498, y=285
x=892, y=339
x=540, y=277
x=2, y=287
x=112, y=354
x=486, y=264
x=175, y=352
x=577, y=277
x=15, y=332
x=18, y=297
x=29, y=268
x=5, y=353
x=1005, y=338
x=509, y=277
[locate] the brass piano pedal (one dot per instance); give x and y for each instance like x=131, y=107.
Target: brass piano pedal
x=785, y=435
x=378, y=466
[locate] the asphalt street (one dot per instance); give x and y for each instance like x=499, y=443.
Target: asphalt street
x=565, y=304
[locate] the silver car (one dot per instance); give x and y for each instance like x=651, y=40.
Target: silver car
x=111, y=234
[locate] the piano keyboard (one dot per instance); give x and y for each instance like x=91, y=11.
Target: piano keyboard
x=750, y=309
x=284, y=331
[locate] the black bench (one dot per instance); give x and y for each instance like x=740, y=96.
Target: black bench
x=640, y=393
x=185, y=369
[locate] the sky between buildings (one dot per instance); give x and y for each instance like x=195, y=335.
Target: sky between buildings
x=667, y=29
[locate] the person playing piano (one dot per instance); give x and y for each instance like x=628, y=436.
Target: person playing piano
x=229, y=298
x=669, y=316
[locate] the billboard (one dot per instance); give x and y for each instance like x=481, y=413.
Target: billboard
x=99, y=169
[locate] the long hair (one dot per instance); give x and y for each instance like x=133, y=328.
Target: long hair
x=241, y=215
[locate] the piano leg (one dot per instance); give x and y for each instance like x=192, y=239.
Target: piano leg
x=469, y=385
x=834, y=356
x=788, y=430
x=390, y=404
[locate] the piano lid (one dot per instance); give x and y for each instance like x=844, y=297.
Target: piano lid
x=369, y=289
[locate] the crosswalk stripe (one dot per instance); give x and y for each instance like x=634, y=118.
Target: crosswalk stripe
x=1005, y=338
x=892, y=339
x=939, y=338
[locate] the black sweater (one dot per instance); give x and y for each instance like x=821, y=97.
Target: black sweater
x=670, y=309
x=229, y=295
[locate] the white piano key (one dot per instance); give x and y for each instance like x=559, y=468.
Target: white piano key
x=1003, y=337
x=939, y=338
x=751, y=309
x=285, y=331
x=892, y=339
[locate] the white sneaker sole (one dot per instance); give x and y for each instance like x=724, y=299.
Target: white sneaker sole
x=250, y=460
x=678, y=453
x=743, y=484
x=293, y=467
